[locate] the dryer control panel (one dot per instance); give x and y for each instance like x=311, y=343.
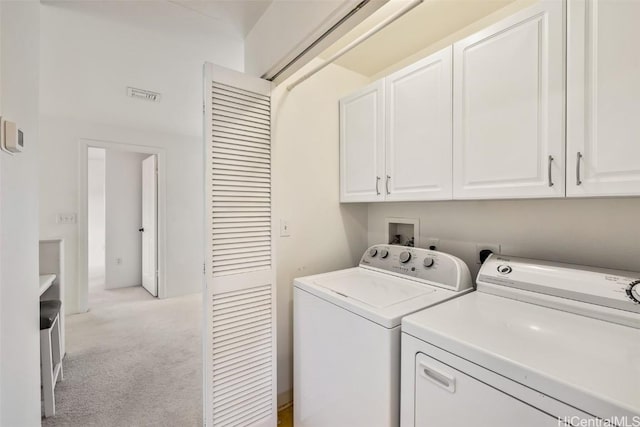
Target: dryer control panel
x=595, y=286
x=431, y=267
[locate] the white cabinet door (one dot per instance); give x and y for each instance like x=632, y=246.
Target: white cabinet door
x=419, y=130
x=603, y=104
x=362, y=145
x=508, y=98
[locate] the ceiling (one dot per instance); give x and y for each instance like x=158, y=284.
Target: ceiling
x=422, y=27
x=232, y=18
x=243, y=14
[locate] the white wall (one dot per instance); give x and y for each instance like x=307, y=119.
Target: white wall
x=96, y=215
x=123, y=219
x=280, y=30
x=597, y=232
x=287, y=28
x=19, y=325
x=184, y=187
x=87, y=63
x=325, y=235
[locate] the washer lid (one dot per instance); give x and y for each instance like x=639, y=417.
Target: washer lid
x=376, y=290
x=380, y=297
x=590, y=364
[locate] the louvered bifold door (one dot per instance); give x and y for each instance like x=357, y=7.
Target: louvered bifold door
x=240, y=340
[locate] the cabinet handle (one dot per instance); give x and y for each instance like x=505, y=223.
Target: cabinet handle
x=386, y=185
x=549, y=172
x=377, y=185
x=578, y=160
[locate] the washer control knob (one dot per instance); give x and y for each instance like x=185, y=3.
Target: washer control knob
x=405, y=257
x=633, y=291
x=428, y=262
x=384, y=253
x=373, y=252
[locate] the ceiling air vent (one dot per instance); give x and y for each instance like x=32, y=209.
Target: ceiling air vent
x=143, y=94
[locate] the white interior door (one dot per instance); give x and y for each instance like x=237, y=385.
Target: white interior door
x=239, y=306
x=149, y=227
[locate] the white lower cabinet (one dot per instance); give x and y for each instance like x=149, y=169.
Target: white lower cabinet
x=603, y=103
x=419, y=133
x=508, y=100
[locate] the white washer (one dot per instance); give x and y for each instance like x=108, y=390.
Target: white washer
x=346, y=332
x=539, y=344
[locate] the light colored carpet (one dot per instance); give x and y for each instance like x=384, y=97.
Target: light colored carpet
x=132, y=360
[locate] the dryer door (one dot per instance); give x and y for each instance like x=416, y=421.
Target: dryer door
x=447, y=397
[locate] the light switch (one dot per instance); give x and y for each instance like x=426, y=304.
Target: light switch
x=285, y=228
x=66, y=218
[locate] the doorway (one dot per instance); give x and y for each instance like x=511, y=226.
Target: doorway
x=122, y=221
x=129, y=331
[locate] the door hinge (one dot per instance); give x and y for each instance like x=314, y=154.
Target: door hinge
x=204, y=268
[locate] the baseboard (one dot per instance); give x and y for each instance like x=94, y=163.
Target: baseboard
x=285, y=398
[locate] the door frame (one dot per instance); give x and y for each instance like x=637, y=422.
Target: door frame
x=83, y=224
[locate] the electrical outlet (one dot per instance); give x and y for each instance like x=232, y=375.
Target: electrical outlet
x=493, y=247
x=66, y=218
x=432, y=241
x=285, y=228
x=119, y=261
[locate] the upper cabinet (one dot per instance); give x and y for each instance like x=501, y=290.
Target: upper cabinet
x=492, y=117
x=508, y=108
x=603, y=98
x=419, y=132
x=362, y=145
x=395, y=135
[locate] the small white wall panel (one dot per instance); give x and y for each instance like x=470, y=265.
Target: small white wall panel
x=240, y=350
x=419, y=130
x=509, y=107
x=603, y=102
x=362, y=145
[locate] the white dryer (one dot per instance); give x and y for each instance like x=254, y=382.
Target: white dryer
x=540, y=344
x=347, y=333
